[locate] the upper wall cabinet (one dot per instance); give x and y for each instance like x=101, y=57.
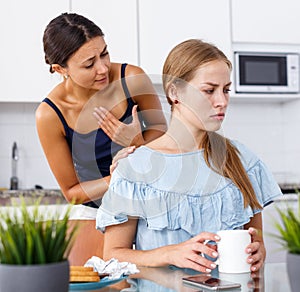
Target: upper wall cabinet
x=164, y=24
x=24, y=75
x=267, y=21
x=118, y=21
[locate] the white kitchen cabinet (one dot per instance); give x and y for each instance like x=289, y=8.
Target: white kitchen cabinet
x=118, y=21
x=24, y=75
x=164, y=24
x=267, y=21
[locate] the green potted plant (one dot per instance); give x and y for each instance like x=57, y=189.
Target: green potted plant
x=34, y=247
x=288, y=227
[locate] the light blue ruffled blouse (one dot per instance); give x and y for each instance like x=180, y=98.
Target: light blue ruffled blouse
x=177, y=196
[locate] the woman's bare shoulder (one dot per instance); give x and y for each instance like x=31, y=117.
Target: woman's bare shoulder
x=133, y=70
x=138, y=82
x=44, y=111
x=44, y=114
x=130, y=70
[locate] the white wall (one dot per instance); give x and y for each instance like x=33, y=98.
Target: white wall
x=260, y=127
x=291, y=127
x=271, y=130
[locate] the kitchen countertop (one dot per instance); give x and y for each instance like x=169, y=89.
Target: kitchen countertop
x=273, y=277
x=51, y=201
x=47, y=196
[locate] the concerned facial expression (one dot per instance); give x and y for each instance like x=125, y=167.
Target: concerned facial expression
x=89, y=65
x=205, y=98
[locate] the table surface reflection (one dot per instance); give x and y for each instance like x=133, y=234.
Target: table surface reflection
x=273, y=278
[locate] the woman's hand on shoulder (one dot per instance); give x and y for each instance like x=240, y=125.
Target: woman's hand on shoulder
x=189, y=254
x=120, y=154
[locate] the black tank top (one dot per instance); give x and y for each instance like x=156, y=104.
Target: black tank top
x=92, y=152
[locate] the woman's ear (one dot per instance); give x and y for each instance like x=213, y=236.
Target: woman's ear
x=173, y=92
x=59, y=69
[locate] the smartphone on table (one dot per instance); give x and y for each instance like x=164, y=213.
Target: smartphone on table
x=209, y=283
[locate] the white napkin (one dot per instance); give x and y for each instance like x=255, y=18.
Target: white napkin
x=113, y=267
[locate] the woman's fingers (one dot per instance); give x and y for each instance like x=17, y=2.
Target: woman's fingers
x=121, y=133
x=120, y=154
x=205, y=237
x=256, y=249
x=106, y=121
x=191, y=253
x=123, y=153
x=135, y=117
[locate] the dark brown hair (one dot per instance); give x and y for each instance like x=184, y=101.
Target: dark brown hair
x=64, y=35
x=219, y=153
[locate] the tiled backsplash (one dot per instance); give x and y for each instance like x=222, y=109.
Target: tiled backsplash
x=271, y=130
x=17, y=123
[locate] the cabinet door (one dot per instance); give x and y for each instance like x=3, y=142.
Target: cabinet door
x=118, y=21
x=164, y=24
x=267, y=21
x=24, y=75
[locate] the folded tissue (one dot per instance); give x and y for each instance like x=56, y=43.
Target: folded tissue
x=113, y=267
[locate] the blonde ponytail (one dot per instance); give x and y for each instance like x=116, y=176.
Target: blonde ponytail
x=223, y=157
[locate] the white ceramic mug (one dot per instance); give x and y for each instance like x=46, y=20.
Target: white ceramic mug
x=232, y=251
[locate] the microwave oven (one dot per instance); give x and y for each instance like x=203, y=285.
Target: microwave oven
x=260, y=72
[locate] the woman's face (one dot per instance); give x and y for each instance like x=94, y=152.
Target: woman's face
x=89, y=66
x=204, y=100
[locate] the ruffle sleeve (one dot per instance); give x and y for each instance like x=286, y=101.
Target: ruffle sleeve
x=264, y=184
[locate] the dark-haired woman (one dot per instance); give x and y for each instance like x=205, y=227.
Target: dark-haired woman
x=79, y=149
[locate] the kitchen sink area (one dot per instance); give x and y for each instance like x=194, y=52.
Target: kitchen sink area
x=46, y=197
x=51, y=202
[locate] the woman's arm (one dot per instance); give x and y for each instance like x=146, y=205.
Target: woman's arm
x=119, y=239
x=56, y=149
x=256, y=249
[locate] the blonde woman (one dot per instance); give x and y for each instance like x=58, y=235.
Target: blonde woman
x=173, y=194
